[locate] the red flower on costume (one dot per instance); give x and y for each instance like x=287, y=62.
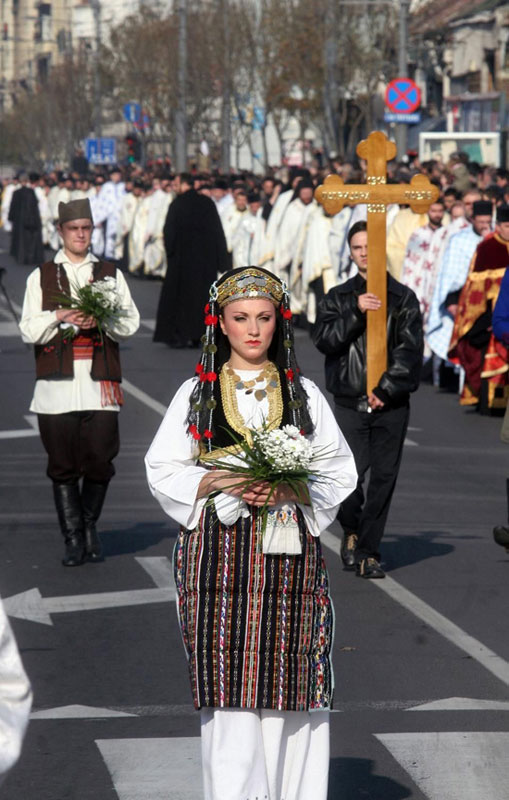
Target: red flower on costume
x=207, y=434
x=207, y=308
x=289, y=375
x=211, y=319
x=203, y=377
x=211, y=376
x=199, y=369
x=287, y=314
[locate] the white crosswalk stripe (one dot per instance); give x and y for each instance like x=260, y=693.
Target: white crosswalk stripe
x=453, y=766
x=154, y=769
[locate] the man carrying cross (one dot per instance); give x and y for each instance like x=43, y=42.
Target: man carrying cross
x=375, y=421
x=370, y=329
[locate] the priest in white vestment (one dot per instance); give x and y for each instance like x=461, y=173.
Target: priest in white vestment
x=7, y=193
x=233, y=216
x=154, y=258
x=249, y=234
x=421, y=258
x=130, y=202
x=137, y=235
x=287, y=241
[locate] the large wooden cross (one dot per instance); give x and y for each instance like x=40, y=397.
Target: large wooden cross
x=334, y=194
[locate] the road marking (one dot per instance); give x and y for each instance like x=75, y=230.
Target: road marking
x=30, y=605
x=410, y=443
x=475, y=649
x=149, y=323
x=15, y=306
x=78, y=712
x=462, y=704
x=159, y=568
x=33, y=430
x=453, y=766
x=154, y=769
x=9, y=329
x=143, y=397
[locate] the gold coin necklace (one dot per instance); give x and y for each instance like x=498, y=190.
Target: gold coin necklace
x=269, y=375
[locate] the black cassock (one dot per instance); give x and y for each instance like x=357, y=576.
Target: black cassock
x=26, y=239
x=196, y=252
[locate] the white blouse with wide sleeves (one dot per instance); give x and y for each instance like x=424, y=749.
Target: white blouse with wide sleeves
x=174, y=474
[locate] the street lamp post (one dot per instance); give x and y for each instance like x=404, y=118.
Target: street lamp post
x=180, y=116
x=97, y=115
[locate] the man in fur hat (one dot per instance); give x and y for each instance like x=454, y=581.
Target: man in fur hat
x=77, y=392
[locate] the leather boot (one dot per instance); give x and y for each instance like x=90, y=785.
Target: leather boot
x=70, y=517
x=92, y=499
x=501, y=533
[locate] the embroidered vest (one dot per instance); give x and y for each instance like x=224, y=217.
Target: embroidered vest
x=54, y=360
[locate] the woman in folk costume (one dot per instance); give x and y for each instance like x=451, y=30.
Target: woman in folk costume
x=253, y=604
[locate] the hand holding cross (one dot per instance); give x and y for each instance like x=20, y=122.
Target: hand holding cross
x=333, y=195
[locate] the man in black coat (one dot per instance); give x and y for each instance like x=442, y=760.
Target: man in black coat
x=374, y=425
x=196, y=253
x=26, y=238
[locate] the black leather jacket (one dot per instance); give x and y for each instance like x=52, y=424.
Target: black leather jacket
x=340, y=333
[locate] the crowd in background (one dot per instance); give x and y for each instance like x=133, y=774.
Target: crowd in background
x=274, y=222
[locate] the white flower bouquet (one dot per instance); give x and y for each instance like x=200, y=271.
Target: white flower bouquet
x=99, y=299
x=279, y=456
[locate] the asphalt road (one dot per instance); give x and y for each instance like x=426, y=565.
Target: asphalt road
x=421, y=659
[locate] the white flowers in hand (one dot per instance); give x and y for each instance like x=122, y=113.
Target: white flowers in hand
x=286, y=448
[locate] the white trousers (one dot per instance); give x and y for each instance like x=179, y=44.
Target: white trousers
x=264, y=755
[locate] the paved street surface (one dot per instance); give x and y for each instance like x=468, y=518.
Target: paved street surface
x=421, y=658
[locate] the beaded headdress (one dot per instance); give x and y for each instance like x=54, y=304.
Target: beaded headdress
x=242, y=284
x=250, y=282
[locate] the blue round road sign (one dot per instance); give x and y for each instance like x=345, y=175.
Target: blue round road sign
x=402, y=96
x=132, y=112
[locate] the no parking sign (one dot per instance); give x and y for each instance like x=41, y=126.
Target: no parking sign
x=402, y=96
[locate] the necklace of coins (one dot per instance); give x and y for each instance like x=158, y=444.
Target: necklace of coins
x=268, y=374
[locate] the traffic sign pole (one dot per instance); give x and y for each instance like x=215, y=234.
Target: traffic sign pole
x=401, y=128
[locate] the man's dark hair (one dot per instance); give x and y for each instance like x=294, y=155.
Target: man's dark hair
x=185, y=177
x=452, y=192
x=357, y=227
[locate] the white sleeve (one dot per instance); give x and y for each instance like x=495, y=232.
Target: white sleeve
x=37, y=326
x=15, y=697
x=129, y=322
x=336, y=465
x=172, y=473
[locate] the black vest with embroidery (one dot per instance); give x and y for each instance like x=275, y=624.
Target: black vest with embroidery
x=54, y=360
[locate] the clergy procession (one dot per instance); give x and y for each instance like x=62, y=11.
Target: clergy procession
x=327, y=347
x=276, y=223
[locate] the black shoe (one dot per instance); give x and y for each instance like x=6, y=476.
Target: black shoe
x=92, y=499
x=70, y=517
x=74, y=554
x=348, y=550
x=501, y=536
x=369, y=568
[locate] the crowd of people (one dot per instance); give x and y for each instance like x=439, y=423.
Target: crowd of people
x=274, y=222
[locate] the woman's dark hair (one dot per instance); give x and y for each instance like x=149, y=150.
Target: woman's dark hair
x=216, y=352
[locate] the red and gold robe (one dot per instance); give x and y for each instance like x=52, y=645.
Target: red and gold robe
x=472, y=344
